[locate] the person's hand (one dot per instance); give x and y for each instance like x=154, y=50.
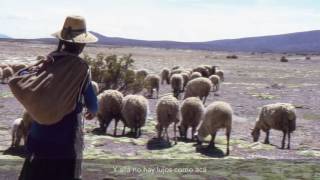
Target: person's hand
x=89, y=116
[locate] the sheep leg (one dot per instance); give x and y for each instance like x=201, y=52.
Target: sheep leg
x=175, y=134
x=193, y=131
x=166, y=131
x=115, y=127
x=13, y=138
x=266, y=141
x=123, y=130
x=211, y=144
x=159, y=131
x=157, y=93
x=228, y=140
x=283, y=139
x=288, y=147
x=139, y=131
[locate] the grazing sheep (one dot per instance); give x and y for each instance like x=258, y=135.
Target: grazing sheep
x=220, y=73
x=176, y=71
x=278, y=116
x=215, y=79
x=217, y=115
x=134, y=111
x=141, y=74
x=152, y=82
x=176, y=84
x=110, y=104
x=185, y=79
x=17, y=67
x=195, y=75
x=167, y=113
x=191, y=113
x=213, y=70
x=7, y=73
x=202, y=70
x=95, y=87
x=20, y=129
x=199, y=87
x=175, y=67
x=165, y=75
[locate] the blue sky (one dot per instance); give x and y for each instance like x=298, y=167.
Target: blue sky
x=180, y=20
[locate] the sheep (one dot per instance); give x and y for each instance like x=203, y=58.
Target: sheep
x=175, y=67
x=20, y=129
x=278, y=116
x=191, y=113
x=17, y=67
x=134, y=111
x=213, y=70
x=202, y=70
x=220, y=73
x=199, y=87
x=176, y=84
x=176, y=71
x=215, y=79
x=165, y=73
x=185, y=79
x=152, y=82
x=95, y=87
x=167, y=112
x=7, y=73
x=216, y=116
x=110, y=104
x=141, y=74
x=195, y=75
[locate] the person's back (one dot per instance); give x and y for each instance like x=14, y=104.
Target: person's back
x=56, y=150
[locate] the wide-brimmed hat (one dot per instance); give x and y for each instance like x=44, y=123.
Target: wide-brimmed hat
x=74, y=30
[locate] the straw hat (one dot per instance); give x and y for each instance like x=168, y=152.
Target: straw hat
x=74, y=30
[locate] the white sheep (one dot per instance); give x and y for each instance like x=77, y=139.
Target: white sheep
x=191, y=110
x=152, y=82
x=199, y=87
x=217, y=115
x=215, y=79
x=278, y=116
x=202, y=70
x=110, y=104
x=141, y=74
x=165, y=76
x=195, y=75
x=220, y=73
x=1, y=73
x=134, y=111
x=18, y=66
x=20, y=129
x=167, y=112
x=186, y=78
x=7, y=73
x=176, y=82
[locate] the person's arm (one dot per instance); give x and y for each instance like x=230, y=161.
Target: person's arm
x=91, y=101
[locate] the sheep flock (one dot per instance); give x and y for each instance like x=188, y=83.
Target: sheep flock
x=190, y=110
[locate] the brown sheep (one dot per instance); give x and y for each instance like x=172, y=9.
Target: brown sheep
x=278, y=116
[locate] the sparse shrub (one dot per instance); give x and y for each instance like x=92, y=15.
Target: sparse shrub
x=232, y=57
x=284, y=59
x=112, y=71
x=308, y=58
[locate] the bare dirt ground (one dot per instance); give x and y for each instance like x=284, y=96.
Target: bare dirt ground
x=251, y=81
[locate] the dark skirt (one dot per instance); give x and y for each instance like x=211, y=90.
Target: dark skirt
x=46, y=169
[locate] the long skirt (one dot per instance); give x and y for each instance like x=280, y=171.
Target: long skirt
x=36, y=167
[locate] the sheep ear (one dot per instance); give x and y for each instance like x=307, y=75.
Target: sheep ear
x=251, y=129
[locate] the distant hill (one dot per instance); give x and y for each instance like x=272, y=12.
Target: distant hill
x=2, y=36
x=294, y=42
x=301, y=42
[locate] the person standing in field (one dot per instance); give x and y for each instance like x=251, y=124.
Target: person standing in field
x=56, y=150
